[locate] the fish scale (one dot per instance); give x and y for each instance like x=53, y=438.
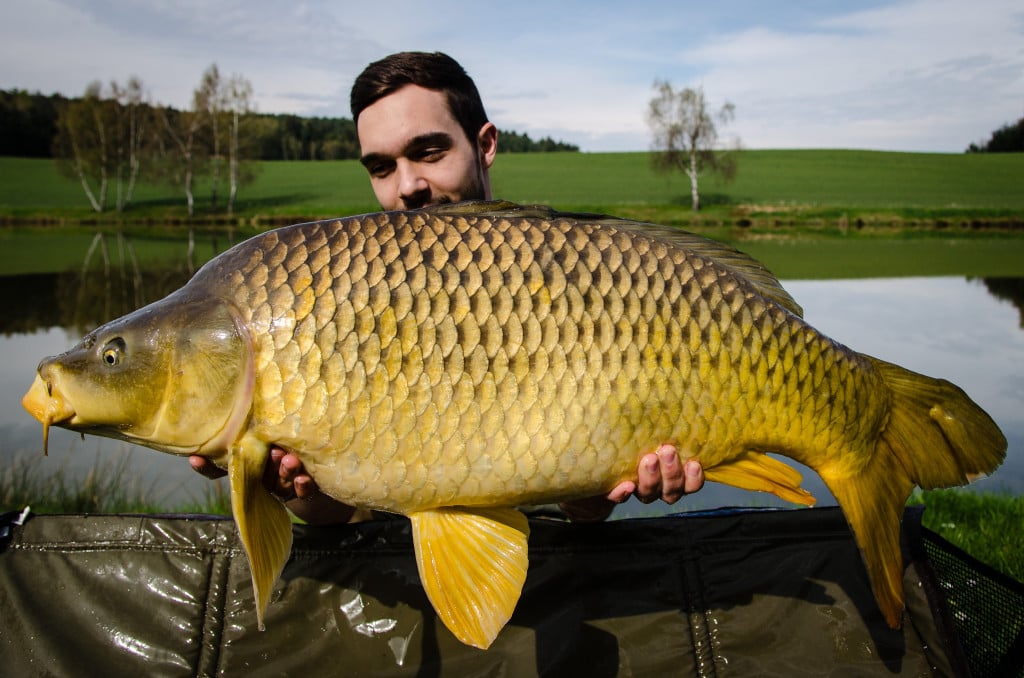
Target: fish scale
x=453, y=362
x=489, y=325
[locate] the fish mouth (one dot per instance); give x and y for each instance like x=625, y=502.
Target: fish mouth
x=48, y=406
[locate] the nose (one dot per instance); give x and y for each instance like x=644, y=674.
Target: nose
x=413, y=187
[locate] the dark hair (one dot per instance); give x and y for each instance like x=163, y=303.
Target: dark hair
x=435, y=71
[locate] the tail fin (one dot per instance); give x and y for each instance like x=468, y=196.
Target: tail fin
x=936, y=436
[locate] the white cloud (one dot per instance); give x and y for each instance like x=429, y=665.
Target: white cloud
x=917, y=75
x=907, y=75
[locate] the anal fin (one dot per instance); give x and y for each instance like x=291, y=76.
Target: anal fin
x=761, y=473
x=873, y=500
x=263, y=523
x=473, y=564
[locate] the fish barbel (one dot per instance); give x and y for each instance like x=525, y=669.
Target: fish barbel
x=452, y=363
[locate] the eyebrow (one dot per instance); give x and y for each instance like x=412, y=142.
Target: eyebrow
x=416, y=143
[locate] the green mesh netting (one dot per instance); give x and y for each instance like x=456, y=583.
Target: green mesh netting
x=986, y=608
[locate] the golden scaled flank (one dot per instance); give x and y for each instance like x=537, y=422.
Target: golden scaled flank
x=498, y=348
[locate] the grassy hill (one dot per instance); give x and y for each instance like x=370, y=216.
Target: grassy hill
x=772, y=186
x=825, y=178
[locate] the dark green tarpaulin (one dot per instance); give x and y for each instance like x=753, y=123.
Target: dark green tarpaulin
x=737, y=594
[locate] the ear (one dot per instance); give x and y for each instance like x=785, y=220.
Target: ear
x=487, y=144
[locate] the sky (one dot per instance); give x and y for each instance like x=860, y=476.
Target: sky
x=903, y=75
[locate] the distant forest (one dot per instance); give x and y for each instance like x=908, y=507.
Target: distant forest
x=28, y=127
x=1007, y=139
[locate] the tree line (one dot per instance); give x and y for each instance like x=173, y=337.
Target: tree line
x=28, y=126
x=114, y=137
x=1007, y=139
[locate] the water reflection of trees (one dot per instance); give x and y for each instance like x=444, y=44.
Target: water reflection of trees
x=81, y=301
x=1010, y=289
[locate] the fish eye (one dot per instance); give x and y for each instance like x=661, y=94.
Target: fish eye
x=113, y=352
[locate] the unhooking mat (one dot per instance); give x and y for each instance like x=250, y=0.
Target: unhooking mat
x=741, y=593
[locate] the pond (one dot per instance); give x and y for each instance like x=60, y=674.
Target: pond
x=967, y=330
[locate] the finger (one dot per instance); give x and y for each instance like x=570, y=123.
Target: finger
x=294, y=472
x=305, y=487
x=622, y=491
x=694, y=475
x=648, y=484
x=205, y=467
x=290, y=467
x=673, y=478
x=274, y=481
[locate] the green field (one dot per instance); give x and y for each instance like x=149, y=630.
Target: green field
x=776, y=179
x=771, y=186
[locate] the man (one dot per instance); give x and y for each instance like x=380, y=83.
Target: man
x=423, y=133
x=425, y=140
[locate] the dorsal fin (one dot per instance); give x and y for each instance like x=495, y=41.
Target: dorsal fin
x=503, y=208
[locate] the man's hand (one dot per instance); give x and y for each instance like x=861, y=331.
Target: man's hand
x=286, y=478
x=659, y=476
x=205, y=467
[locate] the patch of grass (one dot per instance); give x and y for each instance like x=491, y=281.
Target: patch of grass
x=989, y=526
x=775, y=181
x=32, y=187
x=109, y=486
x=216, y=501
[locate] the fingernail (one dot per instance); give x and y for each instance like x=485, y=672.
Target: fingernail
x=691, y=469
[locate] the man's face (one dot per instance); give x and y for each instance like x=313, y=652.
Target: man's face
x=418, y=155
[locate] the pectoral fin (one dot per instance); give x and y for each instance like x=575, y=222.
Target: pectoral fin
x=263, y=522
x=759, y=472
x=473, y=563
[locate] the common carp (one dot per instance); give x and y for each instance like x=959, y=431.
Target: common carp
x=453, y=363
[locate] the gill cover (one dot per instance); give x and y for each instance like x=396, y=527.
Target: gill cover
x=176, y=376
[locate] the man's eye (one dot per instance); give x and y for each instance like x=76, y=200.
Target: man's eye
x=431, y=154
x=379, y=171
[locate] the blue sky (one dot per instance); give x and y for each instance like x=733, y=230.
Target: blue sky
x=928, y=75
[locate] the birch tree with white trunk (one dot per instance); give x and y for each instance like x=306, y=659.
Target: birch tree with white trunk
x=238, y=101
x=209, y=103
x=686, y=135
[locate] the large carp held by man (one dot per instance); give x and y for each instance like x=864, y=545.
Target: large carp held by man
x=453, y=363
